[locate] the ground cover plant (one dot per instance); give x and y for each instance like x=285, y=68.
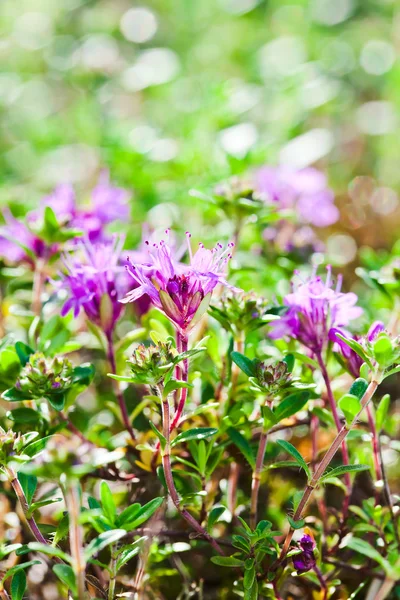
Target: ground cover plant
x=199, y=300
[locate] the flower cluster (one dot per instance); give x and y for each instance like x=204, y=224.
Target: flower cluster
x=314, y=308
x=94, y=282
x=21, y=241
x=149, y=364
x=182, y=292
x=352, y=360
x=305, y=561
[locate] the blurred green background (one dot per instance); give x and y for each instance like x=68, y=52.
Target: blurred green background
x=175, y=94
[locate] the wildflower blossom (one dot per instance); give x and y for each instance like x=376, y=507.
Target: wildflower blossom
x=305, y=561
x=179, y=290
x=91, y=280
x=26, y=245
x=314, y=307
x=303, y=190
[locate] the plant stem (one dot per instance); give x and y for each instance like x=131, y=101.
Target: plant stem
x=332, y=403
x=182, y=347
x=385, y=590
x=38, y=280
x=16, y=485
x=166, y=460
x=76, y=537
x=117, y=388
x=113, y=574
x=375, y=450
x=322, y=582
x=325, y=462
x=256, y=478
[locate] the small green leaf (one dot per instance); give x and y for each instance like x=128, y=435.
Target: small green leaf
x=28, y=484
x=15, y=395
x=358, y=349
x=215, y=513
x=83, y=375
x=102, y=541
x=382, y=412
x=245, y=364
x=107, y=502
x=11, y=572
x=144, y=513
x=350, y=406
x=359, y=387
x=18, y=585
x=40, y=504
x=240, y=441
x=227, y=561
x=268, y=416
x=337, y=471
x=128, y=514
x=24, y=415
x=66, y=574
x=23, y=352
x=366, y=549
x=291, y=405
x=173, y=385
x=36, y=447
x=57, y=400
x=160, y=436
x=199, y=433
x=49, y=550
x=290, y=449
x=128, y=552
x=383, y=350
x=296, y=524
x=248, y=579
x=289, y=360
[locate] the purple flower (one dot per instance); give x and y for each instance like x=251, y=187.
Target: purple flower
x=314, y=307
x=27, y=242
x=91, y=280
x=176, y=289
x=62, y=201
x=305, y=560
x=303, y=190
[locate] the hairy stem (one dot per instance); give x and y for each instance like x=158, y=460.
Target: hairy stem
x=256, y=478
x=16, y=485
x=325, y=462
x=166, y=460
x=113, y=575
x=184, y=371
x=76, y=537
x=332, y=404
x=117, y=388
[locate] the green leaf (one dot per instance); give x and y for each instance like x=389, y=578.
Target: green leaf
x=128, y=514
x=358, y=349
x=11, y=572
x=144, y=513
x=337, y=471
x=24, y=415
x=359, y=387
x=49, y=550
x=245, y=364
x=23, y=352
x=66, y=574
x=15, y=395
x=40, y=504
x=128, y=552
x=268, y=416
x=289, y=359
x=350, y=406
x=240, y=442
x=83, y=375
x=215, y=513
x=160, y=436
x=249, y=577
x=290, y=449
x=382, y=412
x=107, y=502
x=173, y=385
x=199, y=433
x=18, y=585
x=323, y=415
x=291, y=405
x=306, y=359
x=36, y=447
x=383, y=350
x=296, y=524
x=227, y=561
x=28, y=484
x=57, y=400
x=102, y=541
x=366, y=549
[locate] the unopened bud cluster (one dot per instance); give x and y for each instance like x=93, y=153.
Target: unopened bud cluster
x=240, y=312
x=43, y=376
x=272, y=378
x=149, y=364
